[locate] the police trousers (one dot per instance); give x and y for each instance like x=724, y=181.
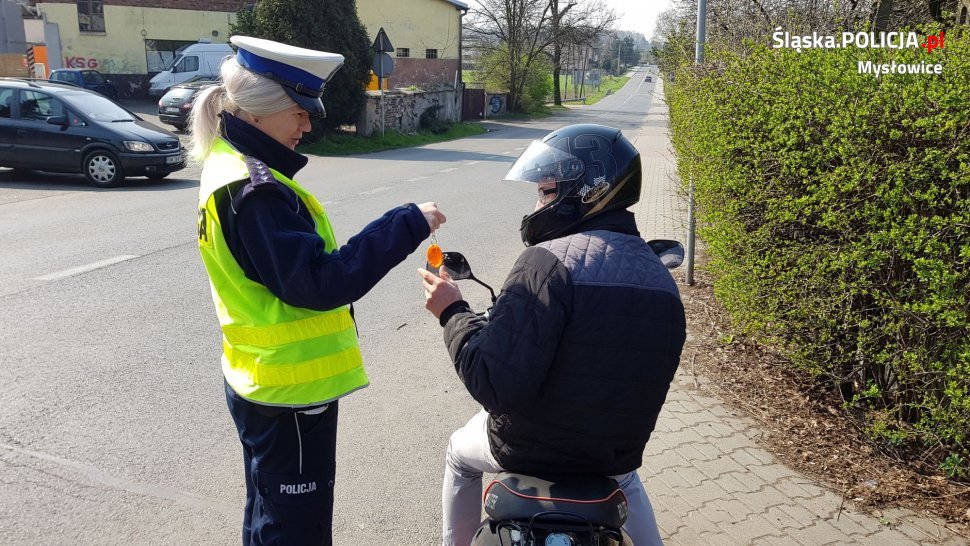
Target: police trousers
x=290, y=464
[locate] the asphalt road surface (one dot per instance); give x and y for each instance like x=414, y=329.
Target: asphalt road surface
x=113, y=423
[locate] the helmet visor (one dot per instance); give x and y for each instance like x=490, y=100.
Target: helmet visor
x=543, y=163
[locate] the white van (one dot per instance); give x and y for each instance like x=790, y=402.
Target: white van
x=196, y=60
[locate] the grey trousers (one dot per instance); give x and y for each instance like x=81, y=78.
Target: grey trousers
x=469, y=456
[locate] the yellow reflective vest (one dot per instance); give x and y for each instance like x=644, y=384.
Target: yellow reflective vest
x=273, y=353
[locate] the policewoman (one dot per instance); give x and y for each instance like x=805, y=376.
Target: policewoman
x=282, y=285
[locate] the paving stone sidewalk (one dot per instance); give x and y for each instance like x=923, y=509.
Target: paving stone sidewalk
x=708, y=479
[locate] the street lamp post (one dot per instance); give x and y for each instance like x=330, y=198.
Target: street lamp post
x=691, y=213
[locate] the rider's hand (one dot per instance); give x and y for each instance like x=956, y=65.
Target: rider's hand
x=439, y=292
x=432, y=215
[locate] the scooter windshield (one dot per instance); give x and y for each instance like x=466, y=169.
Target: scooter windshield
x=543, y=163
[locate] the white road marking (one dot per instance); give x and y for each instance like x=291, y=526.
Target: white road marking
x=375, y=190
x=153, y=490
x=472, y=162
x=85, y=268
x=330, y=202
x=416, y=178
x=448, y=170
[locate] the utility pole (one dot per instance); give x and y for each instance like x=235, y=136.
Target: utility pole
x=691, y=213
x=619, y=42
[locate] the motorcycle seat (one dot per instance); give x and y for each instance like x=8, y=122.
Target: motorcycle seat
x=518, y=497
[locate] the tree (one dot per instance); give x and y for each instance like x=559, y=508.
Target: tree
x=629, y=54
x=512, y=32
x=674, y=41
x=619, y=52
x=327, y=25
x=735, y=24
x=537, y=78
x=519, y=31
x=575, y=27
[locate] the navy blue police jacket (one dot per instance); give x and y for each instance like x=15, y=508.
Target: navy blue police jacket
x=271, y=233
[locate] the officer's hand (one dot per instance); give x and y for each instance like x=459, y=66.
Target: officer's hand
x=432, y=214
x=439, y=292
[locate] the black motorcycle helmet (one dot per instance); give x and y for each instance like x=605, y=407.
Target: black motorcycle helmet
x=595, y=169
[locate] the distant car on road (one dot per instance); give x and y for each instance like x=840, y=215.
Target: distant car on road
x=648, y=79
x=176, y=103
x=52, y=126
x=88, y=79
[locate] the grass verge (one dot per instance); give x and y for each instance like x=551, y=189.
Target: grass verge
x=350, y=144
x=543, y=111
x=608, y=86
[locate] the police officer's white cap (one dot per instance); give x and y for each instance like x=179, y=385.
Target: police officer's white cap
x=302, y=72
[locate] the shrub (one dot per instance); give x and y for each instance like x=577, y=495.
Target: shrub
x=835, y=207
x=538, y=80
x=538, y=85
x=429, y=120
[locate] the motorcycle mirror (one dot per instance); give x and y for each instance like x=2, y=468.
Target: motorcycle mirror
x=670, y=252
x=457, y=266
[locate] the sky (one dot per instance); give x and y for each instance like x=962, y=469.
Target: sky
x=634, y=15
x=638, y=15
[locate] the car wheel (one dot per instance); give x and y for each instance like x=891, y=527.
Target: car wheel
x=156, y=176
x=179, y=126
x=103, y=169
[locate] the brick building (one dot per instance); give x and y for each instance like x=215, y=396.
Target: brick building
x=129, y=40
x=132, y=40
x=426, y=35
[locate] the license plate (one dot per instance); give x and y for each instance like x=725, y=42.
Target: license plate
x=171, y=109
x=173, y=159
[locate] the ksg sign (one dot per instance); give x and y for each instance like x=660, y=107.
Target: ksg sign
x=80, y=62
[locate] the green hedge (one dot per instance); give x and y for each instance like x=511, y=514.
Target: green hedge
x=835, y=209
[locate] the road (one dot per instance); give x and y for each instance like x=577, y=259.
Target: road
x=113, y=425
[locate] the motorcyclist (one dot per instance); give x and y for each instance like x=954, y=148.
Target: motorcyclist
x=576, y=357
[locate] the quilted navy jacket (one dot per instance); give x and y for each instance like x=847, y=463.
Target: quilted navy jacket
x=578, y=353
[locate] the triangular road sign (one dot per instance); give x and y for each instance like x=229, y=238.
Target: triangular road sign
x=382, y=44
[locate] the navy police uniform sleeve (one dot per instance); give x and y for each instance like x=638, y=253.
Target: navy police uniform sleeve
x=278, y=247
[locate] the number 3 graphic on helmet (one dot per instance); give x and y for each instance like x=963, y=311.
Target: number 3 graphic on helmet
x=600, y=153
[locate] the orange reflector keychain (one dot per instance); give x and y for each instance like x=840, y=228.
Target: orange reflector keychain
x=435, y=256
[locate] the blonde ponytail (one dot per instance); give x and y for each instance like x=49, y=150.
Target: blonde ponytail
x=204, y=121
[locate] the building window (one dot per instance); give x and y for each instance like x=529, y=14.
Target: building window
x=90, y=15
x=403, y=52
x=430, y=53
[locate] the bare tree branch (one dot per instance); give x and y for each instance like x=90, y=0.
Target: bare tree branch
x=523, y=30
